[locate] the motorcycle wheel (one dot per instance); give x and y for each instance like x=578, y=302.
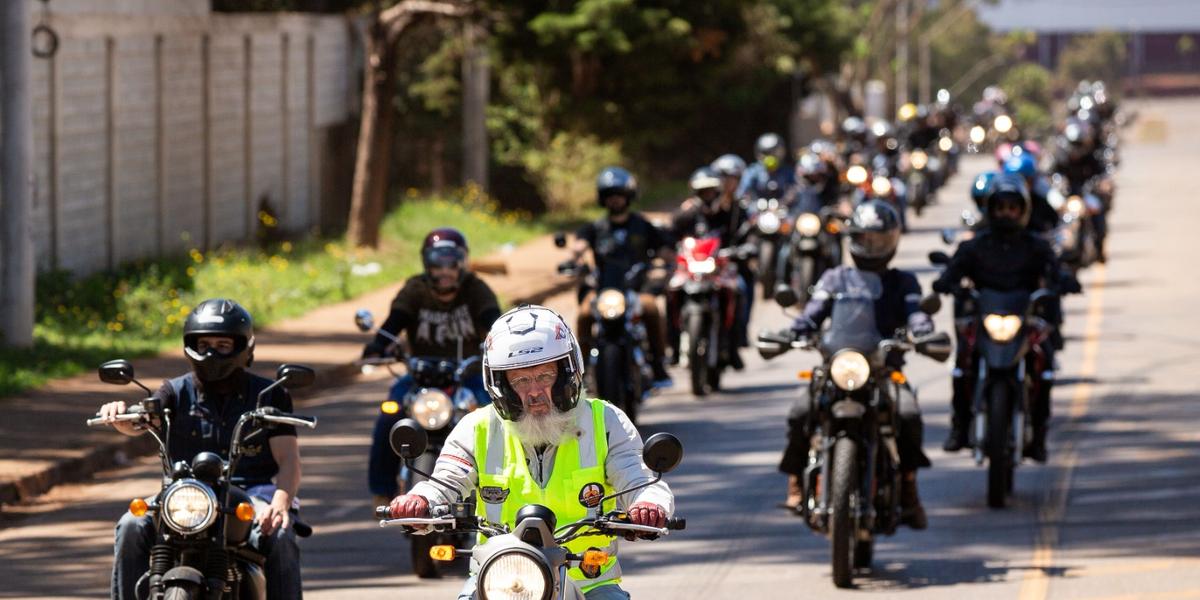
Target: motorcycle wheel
x=611, y=378
x=1000, y=467
x=766, y=269
x=804, y=279
x=181, y=592
x=424, y=566
x=697, y=354
x=841, y=526
x=864, y=553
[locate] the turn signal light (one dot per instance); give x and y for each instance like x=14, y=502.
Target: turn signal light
x=245, y=511
x=442, y=553
x=595, y=558
x=833, y=227
x=804, y=375
x=138, y=507
x=390, y=407
x=899, y=377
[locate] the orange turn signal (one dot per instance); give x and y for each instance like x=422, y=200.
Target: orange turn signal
x=899, y=377
x=832, y=226
x=390, y=407
x=442, y=553
x=245, y=511
x=138, y=507
x=804, y=375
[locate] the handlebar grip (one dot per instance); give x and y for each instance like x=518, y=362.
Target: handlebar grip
x=383, y=512
x=677, y=523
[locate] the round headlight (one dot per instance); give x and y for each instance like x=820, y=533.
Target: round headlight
x=1075, y=206
x=431, y=408
x=1002, y=328
x=856, y=174
x=189, y=506
x=919, y=159
x=850, y=370
x=808, y=224
x=610, y=304
x=978, y=135
x=514, y=576
x=1003, y=123
x=945, y=144
x=768, y=222
x=702, y=267
x=881, y=186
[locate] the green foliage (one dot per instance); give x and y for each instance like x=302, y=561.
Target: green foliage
x=1030, y=94
x=1096, y=56
x=139, y=309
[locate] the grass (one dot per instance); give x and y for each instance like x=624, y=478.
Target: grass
x=139, y=309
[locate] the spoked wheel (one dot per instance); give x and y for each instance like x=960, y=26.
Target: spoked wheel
x=697, y=354
x=841, y=525
x=999, y=453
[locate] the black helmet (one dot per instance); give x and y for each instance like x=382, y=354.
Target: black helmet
x=1007, y=189
x=811, y=166
x=445, y=247
x=874, y=235
x=729, y=165
x=769, y=144
x=218, y=317
x=614, y=181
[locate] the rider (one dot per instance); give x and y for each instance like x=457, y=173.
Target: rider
x=1004, y=256
x=1042, y=218
x=1077, y=158
x=730, y=168
x=769, y=176
x=817, y=173
x=542, y=442
x=205, y=404
x=619, y=241
x=444, y=313
x=874, y=236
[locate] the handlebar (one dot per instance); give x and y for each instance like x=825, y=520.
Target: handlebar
x=101, y=421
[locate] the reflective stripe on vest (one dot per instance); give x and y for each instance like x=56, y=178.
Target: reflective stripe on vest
x=506, y=485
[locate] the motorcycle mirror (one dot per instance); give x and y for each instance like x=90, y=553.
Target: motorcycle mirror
x=662, y=452
x=116, y=372
x=938, y=257
x=785, y=296
x=931, y=304
x=364, y=320
x=295, y=376
x=408, y=439
x=560, y=239
x=949, y=235
x=936, y=346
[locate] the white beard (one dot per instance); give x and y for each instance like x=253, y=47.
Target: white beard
x=545, y=430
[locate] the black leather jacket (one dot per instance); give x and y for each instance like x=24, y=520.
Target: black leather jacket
x=1005, y=262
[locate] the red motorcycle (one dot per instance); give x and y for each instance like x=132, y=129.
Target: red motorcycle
x=702, y=300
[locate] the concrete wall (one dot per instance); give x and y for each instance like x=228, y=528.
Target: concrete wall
x=159, y=127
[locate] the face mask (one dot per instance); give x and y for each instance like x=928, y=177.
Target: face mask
x=770, y=162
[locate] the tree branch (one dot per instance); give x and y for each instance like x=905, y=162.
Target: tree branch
x=398, y=17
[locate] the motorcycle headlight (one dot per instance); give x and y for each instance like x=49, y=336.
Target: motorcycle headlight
x=856, y=174
x=514, y=576
x=881, y=186
x=702, y=267
x=610, y=304
x=978, y=135
x=945, y=144
x=768, y=222
x=808, y=224
x=850, y=370
x=919, y=159
x=1002, y=328
x=1003, y=123
x=189, y=506
x=1074, y=206
x=431, y=408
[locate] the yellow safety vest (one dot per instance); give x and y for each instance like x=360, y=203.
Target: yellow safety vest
x=505, y=484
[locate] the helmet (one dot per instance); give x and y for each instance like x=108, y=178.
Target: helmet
x=981, y=187
x=615, y=180
x=220, y=318
x=729, y=165
x=1077, y=132
x=1008, y=187
x=811, y=167
x=854, y=127
x=705, y=180
x=1022, y=164
x=874, y=235
x=527, y=336
x=445, y=247
x=769, y=145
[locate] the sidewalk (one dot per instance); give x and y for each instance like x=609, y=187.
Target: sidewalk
x=46, y=442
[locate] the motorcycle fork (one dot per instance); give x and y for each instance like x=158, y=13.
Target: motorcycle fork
x=980, y=420
x=1018, y=425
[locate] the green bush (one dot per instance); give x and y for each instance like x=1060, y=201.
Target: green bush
x=1030, y=94
x=1096, y=56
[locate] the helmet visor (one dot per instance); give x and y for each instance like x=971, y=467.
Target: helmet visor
x=446, y=257
x=874, y=244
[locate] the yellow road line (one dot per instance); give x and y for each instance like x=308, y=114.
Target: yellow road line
x=1036, y=583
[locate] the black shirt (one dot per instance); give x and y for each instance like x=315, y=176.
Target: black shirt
x=617, y=247
x=1002, y=262
x=692, y=220
x=433, y=327
x=204, y=421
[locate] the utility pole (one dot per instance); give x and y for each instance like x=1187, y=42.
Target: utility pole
x=476, y=72
x=16, y=177
x=901, y=53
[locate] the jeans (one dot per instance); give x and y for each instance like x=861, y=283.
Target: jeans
x=136, y=535
x=383, y=465
x=604, y=592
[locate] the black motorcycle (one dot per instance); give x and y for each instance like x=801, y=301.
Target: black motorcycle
x=769, y=226
x=814, y=245
x=437, y=401
x=852, y=481
x=202, y=520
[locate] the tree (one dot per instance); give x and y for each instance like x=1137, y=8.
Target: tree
x=1095, y=56
x=1030, y=94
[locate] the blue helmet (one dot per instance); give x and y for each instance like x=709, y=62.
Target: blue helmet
x=1022, y=164
x=615, y=180
x=981, y=187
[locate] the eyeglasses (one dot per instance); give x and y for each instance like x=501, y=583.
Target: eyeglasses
x=525, y=383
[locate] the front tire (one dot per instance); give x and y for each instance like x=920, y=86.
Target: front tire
x=841, y=526
x=697, y=354
x=1000, y=467
x=181, y=592
x=766, y=269
x=612, y=378
x=424, y=566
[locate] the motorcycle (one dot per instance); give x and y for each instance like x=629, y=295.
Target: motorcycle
x=1004, y=337
x=437, y=401
x=920, y=172
x=852, y=481
x=879, y=185
x=815, y=244
x=704, y=288
x=531, y=560
x=202, y=520
x=770, y=224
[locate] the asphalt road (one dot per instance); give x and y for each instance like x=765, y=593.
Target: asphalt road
x=1114, y=514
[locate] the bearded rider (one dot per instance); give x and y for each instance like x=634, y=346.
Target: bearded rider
x=874, y=236
x=205, y=404
x=444, y=313
x=542, y=442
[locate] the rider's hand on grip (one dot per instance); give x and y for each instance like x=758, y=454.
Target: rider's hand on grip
x=648, y=514
x=409, y=506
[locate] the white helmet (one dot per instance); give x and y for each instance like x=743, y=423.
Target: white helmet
x=523, y=337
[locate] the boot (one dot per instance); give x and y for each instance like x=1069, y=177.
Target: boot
x=795, y=493
x=735, y=360
x=958, y=438
x=661, y=377
x=911, y=511
x=1036, y=448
